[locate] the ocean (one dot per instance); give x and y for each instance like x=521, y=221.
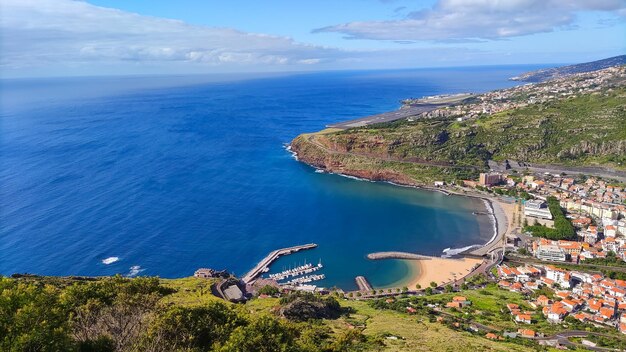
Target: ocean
x=163, y=175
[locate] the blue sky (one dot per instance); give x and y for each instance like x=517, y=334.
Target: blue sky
x=67, y=37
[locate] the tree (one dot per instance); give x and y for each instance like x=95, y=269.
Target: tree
x=433, y=284
x=196, y=327
x=263, y=334
x=418, y=286
x=405, y=289
x=429, y=291
x=269, y=290
x=449, y=288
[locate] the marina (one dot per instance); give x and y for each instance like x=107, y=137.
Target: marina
x=297, y=271
x=263, y=265
x=305, y=279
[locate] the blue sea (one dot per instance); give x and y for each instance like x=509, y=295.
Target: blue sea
x=173, y=173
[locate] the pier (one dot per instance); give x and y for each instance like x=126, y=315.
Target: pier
x=264, y=264
x=364, y=286
x=396, y=255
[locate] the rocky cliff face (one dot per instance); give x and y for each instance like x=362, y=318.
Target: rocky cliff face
x=334, y=161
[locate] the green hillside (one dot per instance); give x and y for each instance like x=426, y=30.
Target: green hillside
x=588, y=130
x=148, y=314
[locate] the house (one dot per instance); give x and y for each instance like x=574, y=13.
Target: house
x=512, y=306
x=607, y=312
x=491, y=336
x=523, y=318
x=527, y=333
x=458, y=302
x=570, y=305
x=610, y=231
x=543, y=300
x=555, y=313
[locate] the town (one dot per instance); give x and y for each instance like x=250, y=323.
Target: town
x=525, y=95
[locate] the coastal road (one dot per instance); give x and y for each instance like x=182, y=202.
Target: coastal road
x=563, y=339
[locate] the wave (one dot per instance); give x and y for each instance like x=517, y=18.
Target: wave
x=134, y=271
x=288, y=148
x=353, y=177
x=449, y=252
x=110, y=260
x=493, y=219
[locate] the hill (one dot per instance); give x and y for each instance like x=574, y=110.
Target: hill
x=529, y=124
x=149, y=314
x=556, y=72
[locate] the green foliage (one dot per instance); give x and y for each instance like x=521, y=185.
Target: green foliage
x=563, y=229
x=121, y=314
x=610, y=260
x=303, y=306
x=269, y=290
x=587, y=130
x=32, y=318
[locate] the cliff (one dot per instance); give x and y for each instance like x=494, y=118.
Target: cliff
x=583, y=131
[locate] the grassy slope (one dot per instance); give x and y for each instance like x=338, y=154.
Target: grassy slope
x=583, y=131
x=415, y=333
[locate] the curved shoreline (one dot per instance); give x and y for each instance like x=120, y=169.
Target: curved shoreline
x=496, y=225
x=421, y=271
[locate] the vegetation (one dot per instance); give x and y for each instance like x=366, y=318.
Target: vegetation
x=148, y=314
x=563, y=228
x=121, y=314
x=610, y=260
x=583, y=131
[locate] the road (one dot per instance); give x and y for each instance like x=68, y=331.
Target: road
x=512, y=257
x=564, y=336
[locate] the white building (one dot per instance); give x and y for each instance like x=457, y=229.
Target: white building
x=537, y=209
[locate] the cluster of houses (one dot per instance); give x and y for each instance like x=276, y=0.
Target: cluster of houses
x=596, y=208
x=528, y=94
x=590, y=298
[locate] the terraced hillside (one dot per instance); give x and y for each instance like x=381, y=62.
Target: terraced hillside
x=587, y=130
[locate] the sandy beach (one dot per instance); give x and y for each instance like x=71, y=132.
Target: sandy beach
x=440, y=270
x=444, y=270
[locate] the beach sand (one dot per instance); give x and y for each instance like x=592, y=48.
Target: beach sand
x=439, y=270
x=443, y=270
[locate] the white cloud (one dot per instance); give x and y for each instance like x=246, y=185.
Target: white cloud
x=37, y=33
x=478, y=19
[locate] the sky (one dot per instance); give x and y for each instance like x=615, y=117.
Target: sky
x=104, y=37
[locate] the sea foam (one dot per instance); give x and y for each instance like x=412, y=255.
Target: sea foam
x=134, y=271
x=110, y=260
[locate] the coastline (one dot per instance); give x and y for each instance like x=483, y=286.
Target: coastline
x=438, y=270
x=445, y=269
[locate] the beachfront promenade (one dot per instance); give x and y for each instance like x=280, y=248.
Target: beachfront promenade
x=264, y=264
